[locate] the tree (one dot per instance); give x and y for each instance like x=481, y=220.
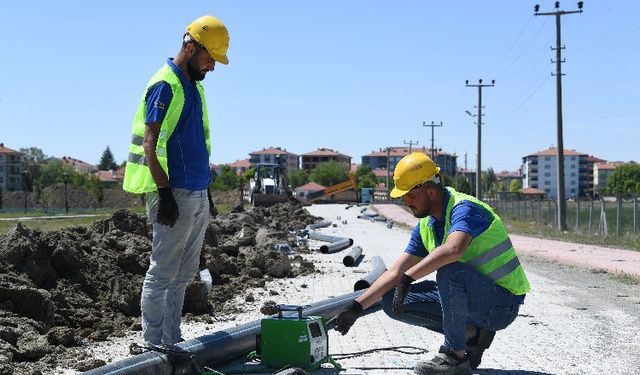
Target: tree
x=107, y=162
x=328, y=173
x=33, y=154
x=515, y=186
x=94, y=187
x=52, y=172
x=624, y=180
x=228, y=179
x=461, y=184
x=489, y=181
x=365, y=177
x=297, y=178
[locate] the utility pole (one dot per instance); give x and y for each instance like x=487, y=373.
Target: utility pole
x=562, y=204
x=387, y=184
x=432, y=125
x=479, y=165
x=410, y=143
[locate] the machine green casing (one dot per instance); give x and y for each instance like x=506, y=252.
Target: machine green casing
x=294, y=341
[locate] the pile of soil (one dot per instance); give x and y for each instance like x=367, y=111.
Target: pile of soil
x=61, y=289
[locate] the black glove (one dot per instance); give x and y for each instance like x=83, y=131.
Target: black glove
x=213, y=211
x=167, y=207
x=346, y=318
x=402, y=289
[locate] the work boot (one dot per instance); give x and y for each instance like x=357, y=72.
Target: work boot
x=477, y=344
x=445, y=362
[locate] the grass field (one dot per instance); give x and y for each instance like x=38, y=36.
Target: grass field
x=59, y=221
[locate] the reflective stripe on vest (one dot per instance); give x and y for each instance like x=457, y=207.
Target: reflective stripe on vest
x=137, y=177
x=490, y=253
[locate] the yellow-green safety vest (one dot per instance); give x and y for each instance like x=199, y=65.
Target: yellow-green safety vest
x=490, y=253
x=137, y=176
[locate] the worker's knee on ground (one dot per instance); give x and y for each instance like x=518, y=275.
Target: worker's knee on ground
x=387, y=304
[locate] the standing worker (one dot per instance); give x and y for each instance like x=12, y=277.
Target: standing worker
x=479, y=285
x=169, y=162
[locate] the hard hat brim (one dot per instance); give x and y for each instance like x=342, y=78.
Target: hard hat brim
x=397, y=193
x=219, y=58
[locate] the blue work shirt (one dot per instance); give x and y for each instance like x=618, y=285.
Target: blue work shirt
x=187, y=155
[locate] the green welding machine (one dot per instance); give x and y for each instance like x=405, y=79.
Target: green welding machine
x=293, y=340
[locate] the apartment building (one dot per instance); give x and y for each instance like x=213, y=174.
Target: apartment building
x=270, y=155
x=601, y=172
x=10, y=169
x=322, y=155
x=392, y=155
x=540, y=171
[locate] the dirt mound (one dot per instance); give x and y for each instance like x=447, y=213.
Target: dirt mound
x=62, y=288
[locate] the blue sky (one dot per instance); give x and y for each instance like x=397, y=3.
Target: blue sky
x=353, y=76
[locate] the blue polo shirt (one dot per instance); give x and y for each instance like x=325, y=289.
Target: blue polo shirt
x=466, y=217
x=187, y=156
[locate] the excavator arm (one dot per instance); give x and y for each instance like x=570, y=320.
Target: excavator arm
x=337, y=188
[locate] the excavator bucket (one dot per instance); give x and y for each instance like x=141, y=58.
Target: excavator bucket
x=268, y=200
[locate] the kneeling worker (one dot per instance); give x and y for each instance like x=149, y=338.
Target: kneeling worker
x=479, y=285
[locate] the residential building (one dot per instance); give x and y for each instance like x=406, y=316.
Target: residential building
x=591, y=161
x=269, y=155
x=240, y=166
x=540, y=171
x=78, y=165
x=111, y=178
x=322, y=155
x=506, y=177
x=378, y=159
x=601, y=172
x=10, y=169
x=303, y=192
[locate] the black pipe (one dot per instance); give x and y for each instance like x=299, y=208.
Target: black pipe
x=350, y=259
x=218, y=347
x=334, y=247
x=377, y=269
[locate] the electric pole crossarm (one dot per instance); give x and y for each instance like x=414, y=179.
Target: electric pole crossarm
x=432, y=125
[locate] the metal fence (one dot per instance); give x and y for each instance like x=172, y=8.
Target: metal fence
x=600, y=217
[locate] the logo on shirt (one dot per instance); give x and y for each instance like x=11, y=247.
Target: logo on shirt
x=160, y=105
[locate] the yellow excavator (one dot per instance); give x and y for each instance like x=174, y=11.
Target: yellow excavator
x=332, y=190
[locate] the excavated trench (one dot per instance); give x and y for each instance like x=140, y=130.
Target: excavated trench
x=60, y=290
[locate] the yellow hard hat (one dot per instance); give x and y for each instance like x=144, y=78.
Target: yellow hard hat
x=411, y=171
x=213, y=35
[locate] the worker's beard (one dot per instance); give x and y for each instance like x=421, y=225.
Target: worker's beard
x=425, y=211
x=195, y=72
